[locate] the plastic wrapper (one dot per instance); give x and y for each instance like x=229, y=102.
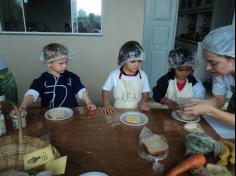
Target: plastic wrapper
x=157, y=166
x=199, y=143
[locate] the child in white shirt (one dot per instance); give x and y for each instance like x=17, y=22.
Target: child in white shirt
x=129, y=84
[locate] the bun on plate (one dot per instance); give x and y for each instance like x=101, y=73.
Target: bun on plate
x=155, y=145
x=57, y=115
x=133, y=119
x=186, y=117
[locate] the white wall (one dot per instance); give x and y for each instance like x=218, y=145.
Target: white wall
x=96, y=56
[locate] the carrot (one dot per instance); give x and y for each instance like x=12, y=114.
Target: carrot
x=192, y=162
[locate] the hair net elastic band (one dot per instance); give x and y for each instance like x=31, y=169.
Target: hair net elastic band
x=141, y=58
x=69, y=56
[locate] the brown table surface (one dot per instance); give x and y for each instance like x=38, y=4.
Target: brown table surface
x=94, y=142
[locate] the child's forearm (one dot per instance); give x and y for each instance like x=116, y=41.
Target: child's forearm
x=26, y=102
x=105, y=97
x=86, y=98
x=145, y=97
x=170, y=103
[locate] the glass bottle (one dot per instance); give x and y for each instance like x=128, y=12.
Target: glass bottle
x=3, y=129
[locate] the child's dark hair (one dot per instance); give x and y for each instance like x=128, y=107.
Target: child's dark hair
x=129, y=51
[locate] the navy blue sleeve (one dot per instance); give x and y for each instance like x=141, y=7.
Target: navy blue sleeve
x=159, y=91
x=37, y=85
x=77, y=85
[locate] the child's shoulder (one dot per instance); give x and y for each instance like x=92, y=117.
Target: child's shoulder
x=168, y=76
x=192, y=79
x=114, y=72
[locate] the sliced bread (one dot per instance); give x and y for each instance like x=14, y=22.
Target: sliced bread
x=155, y=145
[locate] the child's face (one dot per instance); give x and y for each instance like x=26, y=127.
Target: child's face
x=181, y=73
x=58, y=66
x=132, y=66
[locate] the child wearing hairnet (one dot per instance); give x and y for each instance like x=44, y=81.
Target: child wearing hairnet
x=178, y=82
x=57, y=87
x=129, y=84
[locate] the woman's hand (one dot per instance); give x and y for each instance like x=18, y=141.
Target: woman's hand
x=198, y=107
x=108, y=109
x=144, y=106
x=91, y=106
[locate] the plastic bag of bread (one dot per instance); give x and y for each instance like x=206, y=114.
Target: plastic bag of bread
x=153, y=147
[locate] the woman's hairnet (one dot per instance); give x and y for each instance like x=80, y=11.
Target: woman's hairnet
x=181, y=57
x=130, y=51
x=221, y=41
x=55, y=51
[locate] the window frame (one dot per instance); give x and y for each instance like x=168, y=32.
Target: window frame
x=52, y=33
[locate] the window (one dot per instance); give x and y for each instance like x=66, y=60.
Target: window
x=51, y=16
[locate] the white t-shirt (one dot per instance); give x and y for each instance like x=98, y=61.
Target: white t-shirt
x=222, y=84
x=111, y=81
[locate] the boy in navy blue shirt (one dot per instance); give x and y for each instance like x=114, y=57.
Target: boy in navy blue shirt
x=57, y=87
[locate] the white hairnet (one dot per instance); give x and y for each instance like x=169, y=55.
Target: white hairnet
x=221, y=41
x=55, y=51
x=130, y=51
x=181, y=57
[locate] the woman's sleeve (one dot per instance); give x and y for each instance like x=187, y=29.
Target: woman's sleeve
x=199, y=90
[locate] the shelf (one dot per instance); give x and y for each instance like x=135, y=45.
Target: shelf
x=196, y=10
x=205, y=26
x=187, y=41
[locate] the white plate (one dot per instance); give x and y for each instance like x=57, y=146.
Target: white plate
x=60, y=110
x=142, y=118
x=94, y=174
x=176, y=117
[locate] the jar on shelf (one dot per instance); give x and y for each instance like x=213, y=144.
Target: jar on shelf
x=3, y=128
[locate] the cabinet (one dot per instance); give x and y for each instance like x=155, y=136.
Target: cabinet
x=198, y=17
x=193, y=5
x=195, y=19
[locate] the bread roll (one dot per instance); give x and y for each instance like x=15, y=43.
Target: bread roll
x=186, y=117
x=155, y=145
x=57, y=115
x=133, y=119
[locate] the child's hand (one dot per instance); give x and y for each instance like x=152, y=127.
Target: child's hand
x=108, y=109
x=91, y=106
x=172, y=105
x=144, y=106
